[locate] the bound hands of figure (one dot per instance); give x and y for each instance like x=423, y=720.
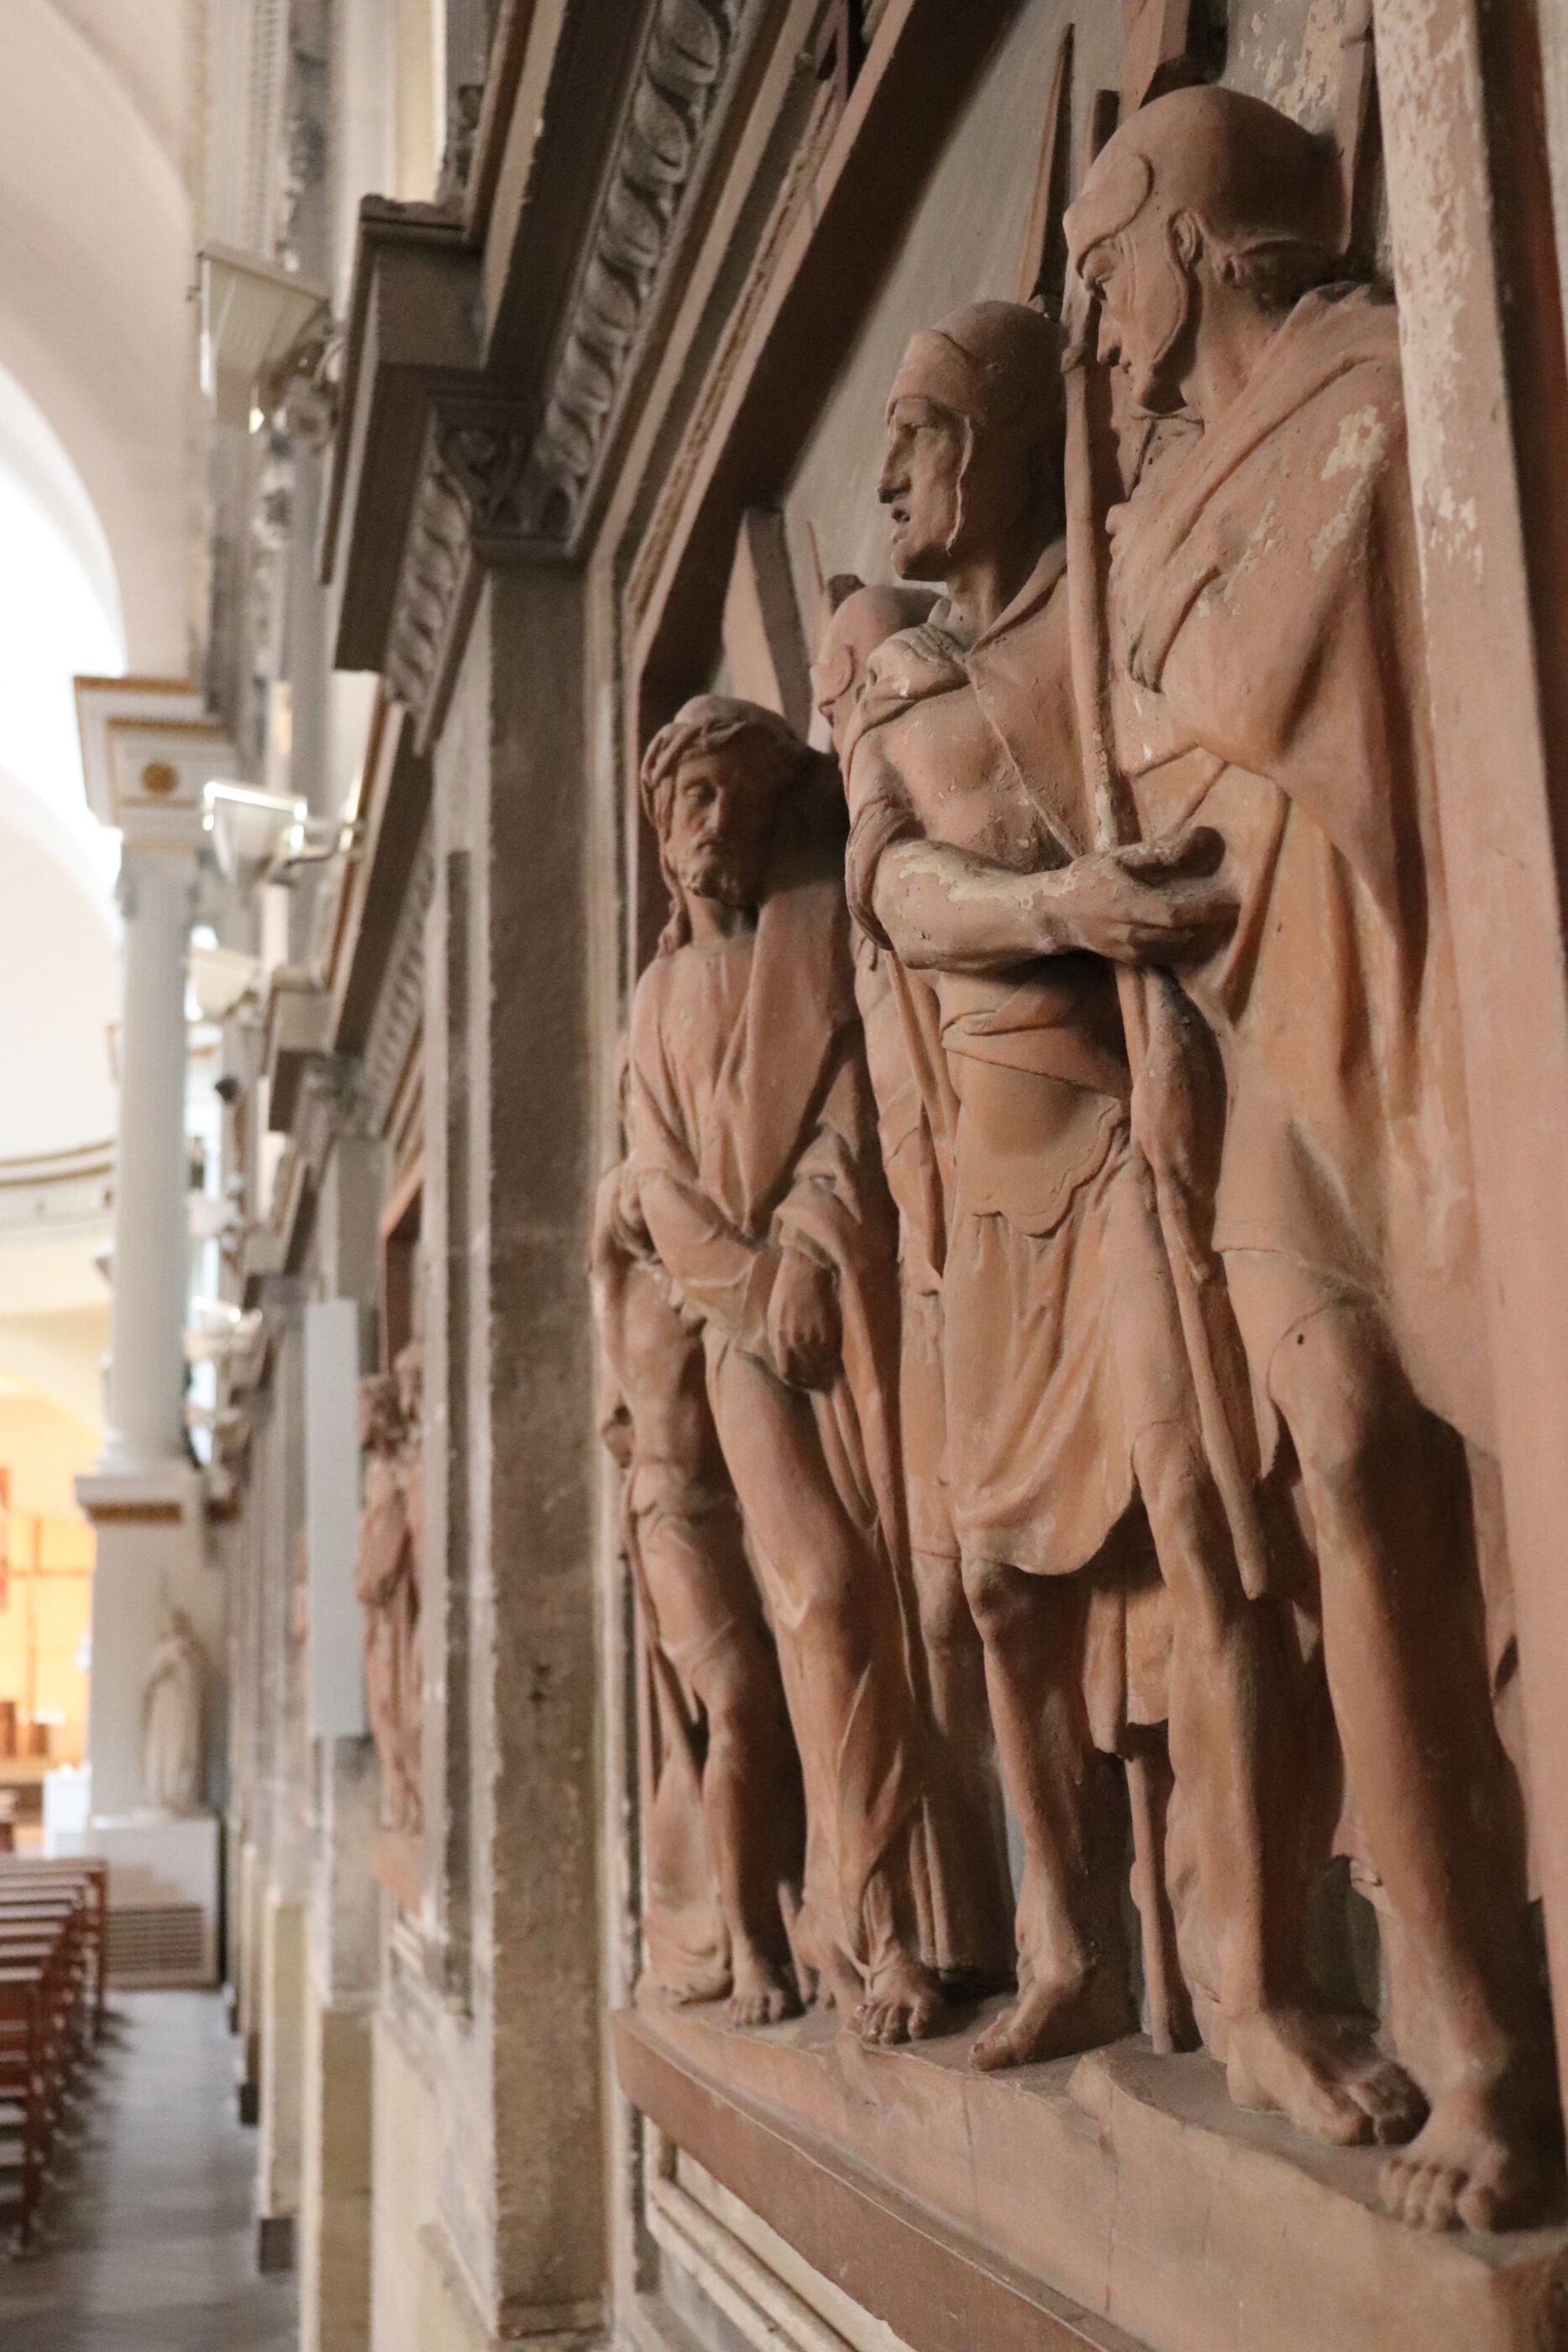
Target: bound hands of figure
x=804, y=1329
x=1154, y=902
x=627, y=1224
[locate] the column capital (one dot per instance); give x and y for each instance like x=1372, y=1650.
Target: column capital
x=149, y=748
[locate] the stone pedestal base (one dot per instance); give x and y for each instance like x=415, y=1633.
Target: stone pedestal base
x=163, y=1874
x=1117, y=2200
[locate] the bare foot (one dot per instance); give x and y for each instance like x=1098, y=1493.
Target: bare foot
x=763, y=1994
x=839, y=1983
x=1056, y=2018
x=1479, y=2164
x=1330, y=2082
x=903, y=2002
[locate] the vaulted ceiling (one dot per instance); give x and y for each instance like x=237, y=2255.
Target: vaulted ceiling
x=100, y=484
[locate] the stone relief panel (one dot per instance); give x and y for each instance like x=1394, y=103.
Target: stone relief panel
x=388, y=1578
x=1040, y=1291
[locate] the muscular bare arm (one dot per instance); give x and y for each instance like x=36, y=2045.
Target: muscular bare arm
x=1154, y=903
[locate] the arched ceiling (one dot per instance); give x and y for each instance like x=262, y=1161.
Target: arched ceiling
x=101, y=485
x=95, y=262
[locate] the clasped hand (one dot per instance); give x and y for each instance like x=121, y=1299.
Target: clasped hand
x=804, y=1327
x=1153, y=902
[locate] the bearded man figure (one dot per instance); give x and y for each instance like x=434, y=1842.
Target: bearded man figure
x=1269, y=678
x=1069, y=1394
x=754, y=1162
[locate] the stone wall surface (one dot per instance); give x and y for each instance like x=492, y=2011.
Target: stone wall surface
x=732, y=198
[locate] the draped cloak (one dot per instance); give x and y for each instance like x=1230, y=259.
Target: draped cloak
x=752, y=1127
x=387, y=1594
x=1271, y=681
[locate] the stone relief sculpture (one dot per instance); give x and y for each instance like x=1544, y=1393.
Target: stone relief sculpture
x=898, y=1030
x=386, y=1587
x=408, y=1373
x=1069, y=1392
x=719, y=1843
x=1148, y=1420
x=171, y=1712
x=1268, y=678
x=755, y=1158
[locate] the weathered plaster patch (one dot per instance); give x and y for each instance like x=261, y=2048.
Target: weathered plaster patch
x=1431, y=111
x=1357, y=451
x=1304, y=82
x=1359, y=445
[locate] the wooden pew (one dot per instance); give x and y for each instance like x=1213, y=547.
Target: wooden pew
x=28, y=1875
x=53, y=1918
x=24, y=2087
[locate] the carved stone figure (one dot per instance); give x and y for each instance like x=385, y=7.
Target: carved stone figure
x=408, y=1373
x=862, y=619
x=171, y=1709
x=1268, y=679
x=717, y=1846
x=384, y=1586
x=754, y=1151
x=1069, y=1390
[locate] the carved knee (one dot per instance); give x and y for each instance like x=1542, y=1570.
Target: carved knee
x=1345, y=1400
x=998, y=1596
x=946, y=1617
x=735, y=1688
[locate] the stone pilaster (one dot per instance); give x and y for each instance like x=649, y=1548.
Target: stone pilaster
x=511, y=1909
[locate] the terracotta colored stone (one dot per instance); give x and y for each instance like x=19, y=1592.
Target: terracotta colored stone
x=386, y=1584
x=1268, y=681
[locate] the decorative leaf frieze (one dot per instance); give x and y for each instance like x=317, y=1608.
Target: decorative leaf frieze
x=689, y=47
x=469, y=510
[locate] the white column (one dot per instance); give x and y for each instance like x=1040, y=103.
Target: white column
x=148, y=750
x=146, y=1379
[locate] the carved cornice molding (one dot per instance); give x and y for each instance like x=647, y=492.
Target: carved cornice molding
x=469, y=510
x=697, y=435
x=690, y=47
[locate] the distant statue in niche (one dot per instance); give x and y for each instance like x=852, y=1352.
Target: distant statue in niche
x=172, y=1711
x=386, y=1590
x=1268, y=679
x=1074, y=1431
x=408, y=1371
x=759, y=1179
x=899, y=1025
x=719, y=1842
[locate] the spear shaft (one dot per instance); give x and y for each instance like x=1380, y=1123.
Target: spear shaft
x=1152, y=1013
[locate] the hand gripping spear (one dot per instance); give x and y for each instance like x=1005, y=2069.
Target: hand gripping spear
x=1155, y=1015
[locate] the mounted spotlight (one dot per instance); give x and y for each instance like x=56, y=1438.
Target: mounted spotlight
x=247, y=826
x=256, y=321
x=314, y=841
x=272, y=831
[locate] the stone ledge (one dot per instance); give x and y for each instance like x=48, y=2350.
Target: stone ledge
x=1114, y=2200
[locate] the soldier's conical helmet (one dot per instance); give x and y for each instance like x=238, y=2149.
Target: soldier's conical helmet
x=1251, y=175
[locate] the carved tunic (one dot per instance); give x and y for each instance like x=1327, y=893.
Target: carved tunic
x=1047, y=1219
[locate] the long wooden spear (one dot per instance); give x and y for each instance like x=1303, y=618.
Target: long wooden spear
x=1153, y=1013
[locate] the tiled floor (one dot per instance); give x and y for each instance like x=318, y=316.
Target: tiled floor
x=149, y=2240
